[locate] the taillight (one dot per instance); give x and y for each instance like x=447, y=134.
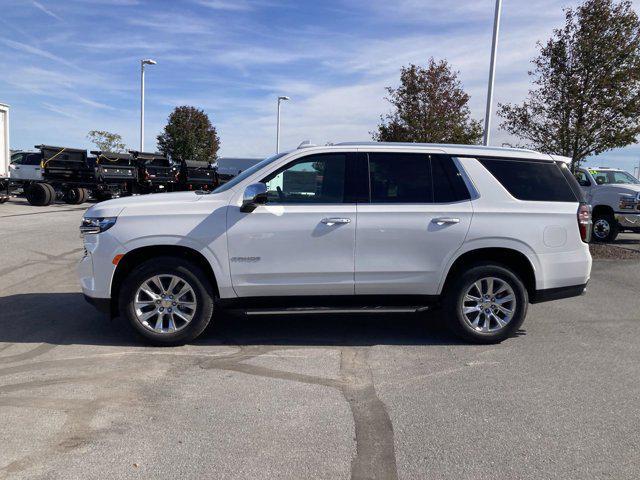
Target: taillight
x=584, y=222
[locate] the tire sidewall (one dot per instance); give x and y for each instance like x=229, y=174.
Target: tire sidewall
x=455, y=299
x=172, y=266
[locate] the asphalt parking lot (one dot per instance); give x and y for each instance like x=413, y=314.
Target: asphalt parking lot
x=379, y=397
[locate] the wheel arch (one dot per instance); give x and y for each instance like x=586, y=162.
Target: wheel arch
x=141, y=254
x=603, y=210
x=511, y=258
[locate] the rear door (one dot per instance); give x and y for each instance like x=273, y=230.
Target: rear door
x=418, y=216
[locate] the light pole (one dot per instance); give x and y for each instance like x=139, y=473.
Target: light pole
x=280, y=99
x=492, y=72
x=147, y=61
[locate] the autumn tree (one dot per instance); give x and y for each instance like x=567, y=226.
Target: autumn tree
x=107, y=141
x=586, y=94
x=429, y=106
x=189, y=135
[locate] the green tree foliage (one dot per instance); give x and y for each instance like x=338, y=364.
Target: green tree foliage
x=586, y=94
x=189, y=135
x=107, y=141
x=429, y=106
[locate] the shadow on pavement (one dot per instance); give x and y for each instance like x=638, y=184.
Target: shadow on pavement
x=65, y=319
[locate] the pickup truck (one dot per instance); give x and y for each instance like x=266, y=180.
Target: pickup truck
x=614, y=196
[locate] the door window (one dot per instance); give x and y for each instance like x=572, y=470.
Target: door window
x=582, y=178
x=311, y=179
x=32, y=159
x=16, y=158
x=448, y=184
x=400, y=178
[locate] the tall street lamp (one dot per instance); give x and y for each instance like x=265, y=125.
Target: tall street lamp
x=492, y=72
x=280, y=99
x=147, y=61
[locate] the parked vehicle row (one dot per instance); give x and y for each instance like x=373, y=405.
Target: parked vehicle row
x=352, y=228
x=72, y=175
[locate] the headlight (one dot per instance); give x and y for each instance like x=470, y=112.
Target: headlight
x=96, y=225
x=628, y=202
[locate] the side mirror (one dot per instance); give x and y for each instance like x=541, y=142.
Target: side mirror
x=254, y=195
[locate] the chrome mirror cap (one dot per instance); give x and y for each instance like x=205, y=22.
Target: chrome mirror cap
x=254, y=195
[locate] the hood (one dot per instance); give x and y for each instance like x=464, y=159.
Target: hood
x=621, y=188
x=113, y=208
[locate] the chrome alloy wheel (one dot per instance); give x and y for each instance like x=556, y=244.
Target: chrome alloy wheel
x=165, y=303
x=489, y=305
x=602, y=228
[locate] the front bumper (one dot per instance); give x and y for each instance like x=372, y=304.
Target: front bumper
x=101, y=304
x=628, y=220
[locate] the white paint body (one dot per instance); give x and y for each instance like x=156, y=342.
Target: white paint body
x=286, y=250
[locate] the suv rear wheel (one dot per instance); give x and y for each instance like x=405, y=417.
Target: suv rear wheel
x=167, y=300
x=486, y=304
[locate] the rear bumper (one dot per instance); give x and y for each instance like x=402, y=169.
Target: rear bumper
x=559, y=293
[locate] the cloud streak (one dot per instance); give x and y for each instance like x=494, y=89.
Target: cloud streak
x=44, y=9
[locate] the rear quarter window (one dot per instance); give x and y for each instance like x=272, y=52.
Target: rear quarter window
x=531, y=180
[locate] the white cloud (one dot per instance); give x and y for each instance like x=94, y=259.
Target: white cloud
x=41, y=7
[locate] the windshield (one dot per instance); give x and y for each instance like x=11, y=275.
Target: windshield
x=606, y=177
x=248, y=172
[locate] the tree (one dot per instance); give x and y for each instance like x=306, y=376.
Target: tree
x=430, y=106
x=586, y=98
x=107, y=141
x=189, y=135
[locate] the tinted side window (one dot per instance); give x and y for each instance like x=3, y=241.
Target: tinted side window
x=32, y=159
x=448, y=184
x=530, y=180
x=312, y=179
x=400, y=178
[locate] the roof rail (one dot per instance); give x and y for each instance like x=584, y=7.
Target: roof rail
x=306, y=144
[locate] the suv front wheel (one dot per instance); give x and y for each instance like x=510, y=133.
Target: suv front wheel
x=167, y=300
x=486, y=304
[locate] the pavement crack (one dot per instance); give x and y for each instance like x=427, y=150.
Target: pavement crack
x=375, y=453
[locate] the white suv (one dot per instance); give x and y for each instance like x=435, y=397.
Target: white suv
x=356, y=227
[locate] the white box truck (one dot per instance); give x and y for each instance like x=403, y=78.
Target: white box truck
x=5, y=156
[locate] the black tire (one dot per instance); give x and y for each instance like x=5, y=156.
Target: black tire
x=39, y=194
x=454, y=301
x=52, y=192
x=605, y=228
x=74, y=196
x=184, y=269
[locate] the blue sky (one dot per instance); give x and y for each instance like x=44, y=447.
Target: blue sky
x=72, y=66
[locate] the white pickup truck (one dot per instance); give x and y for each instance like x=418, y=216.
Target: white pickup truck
x=614, y=196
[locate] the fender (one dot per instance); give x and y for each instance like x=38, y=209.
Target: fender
x=495, y=242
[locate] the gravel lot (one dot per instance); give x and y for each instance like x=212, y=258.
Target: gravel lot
x=295, y=398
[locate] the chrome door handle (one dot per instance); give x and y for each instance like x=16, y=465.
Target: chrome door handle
x=445, y=221
x=335, y=221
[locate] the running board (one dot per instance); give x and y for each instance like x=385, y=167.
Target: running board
x=325, y=310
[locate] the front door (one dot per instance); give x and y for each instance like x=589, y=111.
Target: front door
x=418, y=217
x=301, y=242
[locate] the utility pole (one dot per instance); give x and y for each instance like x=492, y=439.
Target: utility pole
x=280, y=99
x=492, y=72
x=148, y=61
